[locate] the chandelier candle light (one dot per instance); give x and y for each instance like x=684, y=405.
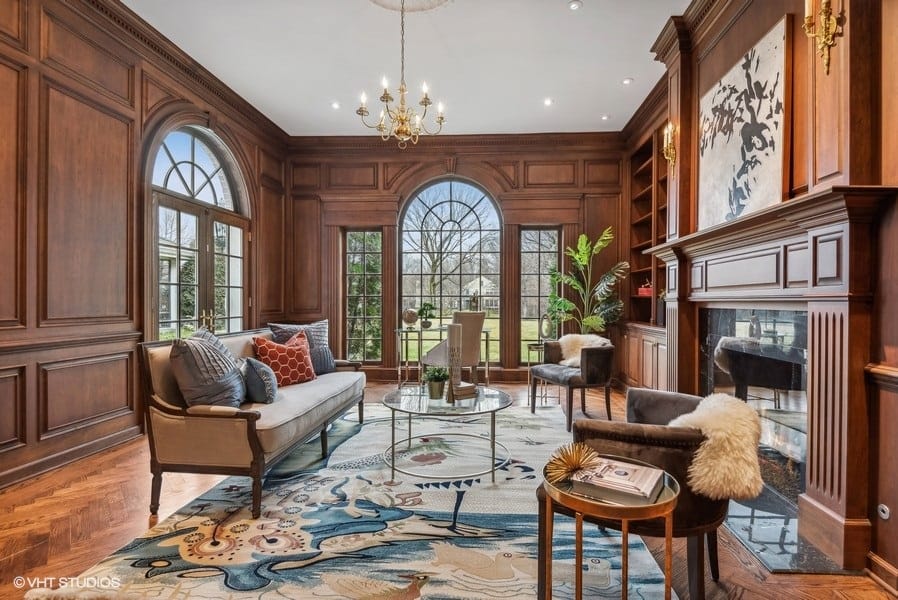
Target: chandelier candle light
x=401, y=122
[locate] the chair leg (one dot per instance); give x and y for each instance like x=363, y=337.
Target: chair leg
x=712, y=555
x=155, y=491
x=695, y=566
x=541, y=557
x=533, y=394
x=570, y=407
x=608, y=400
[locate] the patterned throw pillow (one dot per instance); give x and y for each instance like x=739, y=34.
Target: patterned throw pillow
x=291, y=364
x=207, y=336
x=317, y=333
x=205, y=375
x=261, y=382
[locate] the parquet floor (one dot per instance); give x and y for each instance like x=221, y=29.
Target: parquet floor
x=60, y=523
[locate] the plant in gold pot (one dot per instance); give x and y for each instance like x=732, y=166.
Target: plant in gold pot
x=436, y=378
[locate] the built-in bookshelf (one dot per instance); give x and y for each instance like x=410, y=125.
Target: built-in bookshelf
x=648, y=227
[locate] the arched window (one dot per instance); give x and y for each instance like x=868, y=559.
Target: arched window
x=450, y=233
x=201, y=236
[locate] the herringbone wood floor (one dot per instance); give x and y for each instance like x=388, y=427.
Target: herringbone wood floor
x=60, y=523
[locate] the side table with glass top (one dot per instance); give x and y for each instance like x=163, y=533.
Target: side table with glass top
x=562, y=495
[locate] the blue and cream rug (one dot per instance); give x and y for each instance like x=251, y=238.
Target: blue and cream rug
x=343, y=528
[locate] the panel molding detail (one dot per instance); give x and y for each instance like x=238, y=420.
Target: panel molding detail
x=81, y=392
x=13, y=116
x=550, y=173
x=357, y=176
x=12, y=406
x=12, y=22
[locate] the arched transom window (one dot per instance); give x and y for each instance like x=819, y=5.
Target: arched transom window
x=201, y=236
x=450, y=233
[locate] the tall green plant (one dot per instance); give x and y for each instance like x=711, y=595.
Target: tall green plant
x=597, y=304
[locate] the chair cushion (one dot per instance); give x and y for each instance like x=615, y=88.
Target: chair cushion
x=291, y=363
x=572, y=343
x=205, y=375
x=317, y=334
x=558, y=374
x=261, y=382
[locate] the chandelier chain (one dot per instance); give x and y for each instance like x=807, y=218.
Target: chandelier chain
x=402, y=43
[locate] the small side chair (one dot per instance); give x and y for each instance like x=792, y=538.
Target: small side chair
x=595, y=371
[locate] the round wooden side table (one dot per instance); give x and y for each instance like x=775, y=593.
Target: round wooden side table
x=562, y=494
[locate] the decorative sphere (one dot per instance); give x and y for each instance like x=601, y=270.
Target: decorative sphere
x=409, y=316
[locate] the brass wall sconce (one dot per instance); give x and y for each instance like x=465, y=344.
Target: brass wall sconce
x=668, y=149
x=824, y=30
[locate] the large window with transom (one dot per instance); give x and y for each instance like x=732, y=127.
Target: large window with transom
x=449, y=253
x=364, y=295
x=200, y=238
x=540, y=255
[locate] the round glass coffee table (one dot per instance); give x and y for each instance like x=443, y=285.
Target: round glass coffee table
x=414, y=401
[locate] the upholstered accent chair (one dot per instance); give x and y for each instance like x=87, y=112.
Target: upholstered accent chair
x=647, y=437
x=471, y=329
x=594, y=371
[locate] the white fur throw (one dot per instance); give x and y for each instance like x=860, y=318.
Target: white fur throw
x=572, y=343
x=726, y=463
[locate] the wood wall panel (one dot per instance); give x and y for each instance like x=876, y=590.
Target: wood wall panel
x=828, y=260
x=85, y=59
x=85, y=276
x=508, y=170
x=305, y=176
x=884, y=412
x=78, y=392
x=305, y=264
x=392, y=171
x=361, y=176
x=12, y=21
x=12, y=198
x=271, y=239
x=889, y=91
x=603, y=172
x=744, y=270
x=271, y=166
x=154, y=95
x=797, y=265
x=550, y=173
x=12, y=407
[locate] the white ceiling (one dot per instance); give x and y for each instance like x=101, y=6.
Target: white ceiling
x=492, y=62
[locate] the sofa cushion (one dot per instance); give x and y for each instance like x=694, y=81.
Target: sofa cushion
x=205, y=375
x=302, y=409
x=261, y=382
x=290, y=363
x=319, y=344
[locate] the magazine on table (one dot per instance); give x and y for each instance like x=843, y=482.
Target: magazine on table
x=619, y=481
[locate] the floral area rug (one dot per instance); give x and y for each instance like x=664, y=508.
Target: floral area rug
x=343, y=527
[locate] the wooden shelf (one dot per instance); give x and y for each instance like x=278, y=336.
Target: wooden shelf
x=645, y=166
x=640, y=270
x=645, y=193
x=647, y=217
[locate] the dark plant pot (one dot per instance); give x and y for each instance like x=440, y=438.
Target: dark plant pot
x=425, y=324
x=435, y=389
x=661, y=314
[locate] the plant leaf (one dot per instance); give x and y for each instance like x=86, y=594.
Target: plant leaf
x=608, y=281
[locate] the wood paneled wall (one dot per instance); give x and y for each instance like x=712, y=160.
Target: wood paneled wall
x=567, y=180
x=87, y=92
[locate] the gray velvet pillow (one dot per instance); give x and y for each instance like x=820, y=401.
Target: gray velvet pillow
x=319, y=348
x=207, y=336
x=261, y=382
x=205, y=375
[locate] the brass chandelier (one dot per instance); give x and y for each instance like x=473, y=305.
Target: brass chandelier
x=401, y=122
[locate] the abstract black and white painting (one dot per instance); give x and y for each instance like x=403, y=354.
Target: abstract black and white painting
x=742, y=127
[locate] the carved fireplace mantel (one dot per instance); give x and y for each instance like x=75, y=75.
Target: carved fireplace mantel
x=818, y=253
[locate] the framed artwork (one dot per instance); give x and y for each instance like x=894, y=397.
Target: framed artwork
x=744, y=132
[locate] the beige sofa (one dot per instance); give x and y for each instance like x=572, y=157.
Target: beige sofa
x=238, y=441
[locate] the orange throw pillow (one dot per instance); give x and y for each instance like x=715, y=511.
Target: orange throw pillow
x=291, y=362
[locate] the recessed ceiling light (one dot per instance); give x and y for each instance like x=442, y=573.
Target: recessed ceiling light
x=548, y=102
x=575, y=5
x=335, y=105
x=627, y=80
x=604, y=117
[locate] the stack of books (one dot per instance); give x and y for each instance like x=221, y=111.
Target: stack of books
x=619, y=482
x=464, y=390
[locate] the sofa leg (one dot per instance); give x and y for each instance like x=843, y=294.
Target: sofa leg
x=695, y=566
x=712, y=555
x=324, y=442
x=257, y=496
x=570, y=407
x=361, y=411
x=155, y=491
x=533, y=394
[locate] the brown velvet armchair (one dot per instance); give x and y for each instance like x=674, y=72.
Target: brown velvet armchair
x=595, y=370
x=645, y=436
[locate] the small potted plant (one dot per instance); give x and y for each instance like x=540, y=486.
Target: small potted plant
x=436, y=378
x=426, y=312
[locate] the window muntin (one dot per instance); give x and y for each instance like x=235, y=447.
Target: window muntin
x=187, y=166
x=540, y=253
x=450, y=235
x=364, y=295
